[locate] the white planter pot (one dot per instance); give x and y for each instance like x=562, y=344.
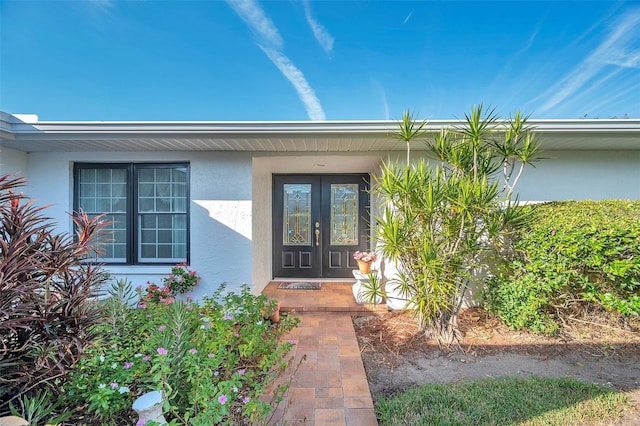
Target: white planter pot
x=149, y=407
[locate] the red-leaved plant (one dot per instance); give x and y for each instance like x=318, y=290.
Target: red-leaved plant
x=47, y=294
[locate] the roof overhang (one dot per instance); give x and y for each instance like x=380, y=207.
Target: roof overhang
x=26, y=133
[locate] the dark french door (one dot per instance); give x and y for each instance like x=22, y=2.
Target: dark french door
x=319, y=221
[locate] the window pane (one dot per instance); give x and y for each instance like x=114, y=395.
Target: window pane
x=163, y=204
x=103, y=204
x=146, y=205
x=119, y=205
x=103, y=191
x=88, y=175
x=297, y=215
x=87, y=204
x=344, y=214
x=103, y=175
x=110, y=245
x=146, y=175
x=163, y=237
x=119, y=175
x=163, y=175
x=179, y=190
x=87, y=189
x=119, y=189
x=146, y=190
x=180, y=174
x=162, y=190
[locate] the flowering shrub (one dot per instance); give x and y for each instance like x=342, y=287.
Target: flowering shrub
x=212, y=361
x=181, y=279
x=157, y=294
x=365, y=256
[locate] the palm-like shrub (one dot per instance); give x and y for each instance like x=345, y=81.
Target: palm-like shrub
x=443, y=219
x=46, y=294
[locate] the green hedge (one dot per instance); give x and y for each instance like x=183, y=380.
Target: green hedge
x=571, y=254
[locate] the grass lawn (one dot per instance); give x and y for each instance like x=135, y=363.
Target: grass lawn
x=503, y=401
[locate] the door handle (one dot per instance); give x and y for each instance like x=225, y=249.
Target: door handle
x=317, y=234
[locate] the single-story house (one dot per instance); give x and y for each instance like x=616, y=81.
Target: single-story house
x=253, y=201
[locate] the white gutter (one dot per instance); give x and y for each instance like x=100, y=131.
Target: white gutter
x=28, y=124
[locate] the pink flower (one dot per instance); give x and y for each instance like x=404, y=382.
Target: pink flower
x=226, y=317
x=113, y=385
x=293, y=342
x=222, y=399
x=162, y=351
x=162, y=328
x=190, y=299
x=242, y=371
x=211, y=355
x=128, y=365
x=146, y=358
x=193, y=351
x=364, y=256
x=245, y=400
x=141, y=422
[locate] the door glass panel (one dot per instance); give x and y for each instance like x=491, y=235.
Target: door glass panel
x=297, y=215
x=344, y=214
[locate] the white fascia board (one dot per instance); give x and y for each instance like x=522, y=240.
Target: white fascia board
x=379, y=127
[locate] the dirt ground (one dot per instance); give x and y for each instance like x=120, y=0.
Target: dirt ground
x=397, y=356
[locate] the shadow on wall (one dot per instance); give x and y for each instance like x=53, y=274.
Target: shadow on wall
x=221, y=244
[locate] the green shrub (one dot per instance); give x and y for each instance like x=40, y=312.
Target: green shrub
x=573, y=254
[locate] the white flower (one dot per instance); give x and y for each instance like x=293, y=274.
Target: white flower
x=102, y=386
x=102, y=358
x=137, y=355
x=215, y=373
x=123, y=389
x=235, y=389
x=114, y=365
x=259, y=323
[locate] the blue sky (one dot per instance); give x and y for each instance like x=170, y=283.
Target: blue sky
x=333, y=60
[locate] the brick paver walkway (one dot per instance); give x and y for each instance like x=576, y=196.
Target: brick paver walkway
x=328, y=382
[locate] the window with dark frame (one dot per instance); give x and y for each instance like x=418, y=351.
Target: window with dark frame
x=146, y=204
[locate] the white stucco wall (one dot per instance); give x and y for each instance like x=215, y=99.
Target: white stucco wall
x=220, y=211
x=582, y=175
x=13, y=161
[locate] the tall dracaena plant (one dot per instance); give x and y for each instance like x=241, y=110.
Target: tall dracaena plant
x=440, y=220
x=519, y=147
x=409, y=129
x=477, y=130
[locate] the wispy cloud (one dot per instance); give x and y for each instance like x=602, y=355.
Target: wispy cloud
x=271, y=44
x=320, y=33
x=407, y=18
x=383, y=95
x=616, y=50
x=251, y=13
x=294, y=75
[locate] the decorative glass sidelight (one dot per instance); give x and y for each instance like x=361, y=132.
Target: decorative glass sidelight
x=297, y=214
x=344, y=214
